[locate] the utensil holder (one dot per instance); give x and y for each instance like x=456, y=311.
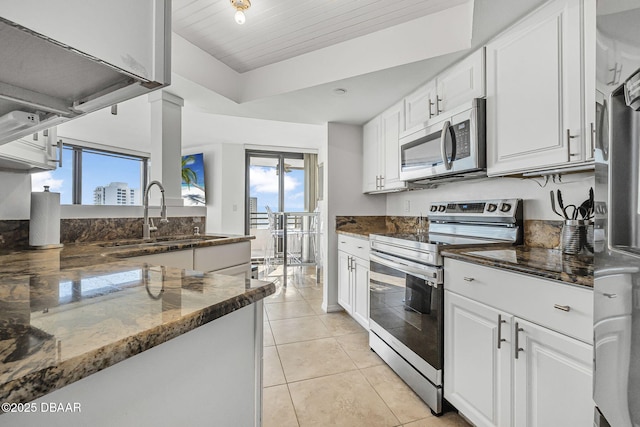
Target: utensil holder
x=577, y=237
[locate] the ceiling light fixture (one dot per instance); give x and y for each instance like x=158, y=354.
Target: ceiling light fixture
x=340, y=91
x=240, y=6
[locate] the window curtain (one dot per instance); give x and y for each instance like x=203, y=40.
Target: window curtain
x=310, y=181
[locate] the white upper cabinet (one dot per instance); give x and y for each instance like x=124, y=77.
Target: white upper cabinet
x=535, y=102
x=458, y=84
x=371, y=156
x=590, y=85
x=32, y=153
x=126, y=34
x=65, y=58
x=419, y=106
x=381, y=151
x=392, y=123
x=461, y=83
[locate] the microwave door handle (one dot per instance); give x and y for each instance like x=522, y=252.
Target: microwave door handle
x=443, y=145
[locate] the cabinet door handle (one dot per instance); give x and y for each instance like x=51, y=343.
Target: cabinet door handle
x=517, y=341
x=569, y=138
x=500, y=322
x=562, y=307
x=382, y=182
x=438, y=101
x=430, y=105
x=469, y=279
x=610, y=295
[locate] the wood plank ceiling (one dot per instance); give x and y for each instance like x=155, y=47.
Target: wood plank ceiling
x=277, y=30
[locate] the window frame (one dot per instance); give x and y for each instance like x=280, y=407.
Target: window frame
x=76, y=166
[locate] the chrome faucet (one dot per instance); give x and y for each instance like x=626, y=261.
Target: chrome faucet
x=147, y=226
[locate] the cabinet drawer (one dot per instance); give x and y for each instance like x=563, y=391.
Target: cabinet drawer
x=176, y=259
x=358, y=247
x=525, y=296
x=211, y=258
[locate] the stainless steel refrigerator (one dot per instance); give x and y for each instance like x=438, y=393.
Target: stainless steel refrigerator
x=617, y=222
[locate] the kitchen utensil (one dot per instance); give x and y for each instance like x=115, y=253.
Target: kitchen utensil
x=553, y=204
x=584, y=209
x=572, y=211
x=561, y=204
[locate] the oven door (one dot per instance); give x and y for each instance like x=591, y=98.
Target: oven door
x=405, y=311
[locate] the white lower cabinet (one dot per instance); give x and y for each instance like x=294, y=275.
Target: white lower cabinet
x=504, y=370
x=553, y=378
x=345, y=285
x=353, y=278
x=233, y=259
x=477, y=372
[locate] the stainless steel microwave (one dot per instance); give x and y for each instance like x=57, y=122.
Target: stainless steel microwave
x=453, y=146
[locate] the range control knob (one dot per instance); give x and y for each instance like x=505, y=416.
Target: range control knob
x=492, y=207
x=506, y=207
x=442, y=208
x=433, y=208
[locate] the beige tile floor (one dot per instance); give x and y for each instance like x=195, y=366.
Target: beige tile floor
x=319, y=370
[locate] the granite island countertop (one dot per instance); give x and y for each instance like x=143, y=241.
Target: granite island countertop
x=546, y=263
x=68, y=313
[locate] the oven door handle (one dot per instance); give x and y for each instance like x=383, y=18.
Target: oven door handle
x=431, y=275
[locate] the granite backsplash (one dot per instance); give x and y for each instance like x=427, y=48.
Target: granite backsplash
x=14, y=234
x=537, y=233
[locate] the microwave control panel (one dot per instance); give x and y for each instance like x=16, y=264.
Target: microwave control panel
x=463, y=140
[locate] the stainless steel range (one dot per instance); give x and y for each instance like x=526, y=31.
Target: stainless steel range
x=406, y=283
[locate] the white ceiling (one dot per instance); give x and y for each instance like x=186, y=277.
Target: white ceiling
x=304, y=97
x=279, y=30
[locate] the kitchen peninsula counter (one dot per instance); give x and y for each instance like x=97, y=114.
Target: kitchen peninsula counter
x=546, y=263
x=68, y=313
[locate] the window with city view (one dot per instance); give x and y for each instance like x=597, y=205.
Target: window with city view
x=95, y=177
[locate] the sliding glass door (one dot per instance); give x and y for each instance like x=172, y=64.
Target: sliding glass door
x=280, y=182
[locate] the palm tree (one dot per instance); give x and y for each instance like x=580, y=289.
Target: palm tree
x=188, y=175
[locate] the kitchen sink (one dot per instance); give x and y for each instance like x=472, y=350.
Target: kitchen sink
x=159, y=241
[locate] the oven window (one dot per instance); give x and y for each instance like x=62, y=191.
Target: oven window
x=424, y=152
x=409, y=309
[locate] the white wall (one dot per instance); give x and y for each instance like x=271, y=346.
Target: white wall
x=574, y=187
x=15, y=195
x=224, y=183
x=342, y=160
x=224, y=158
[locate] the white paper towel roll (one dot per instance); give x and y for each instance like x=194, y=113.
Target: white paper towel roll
x=44, y=227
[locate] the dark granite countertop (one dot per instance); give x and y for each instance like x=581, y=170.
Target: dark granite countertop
x=547, y=263
x=68, y=313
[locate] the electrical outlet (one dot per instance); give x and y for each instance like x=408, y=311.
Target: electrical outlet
x=407, y=206
x=235, y=208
